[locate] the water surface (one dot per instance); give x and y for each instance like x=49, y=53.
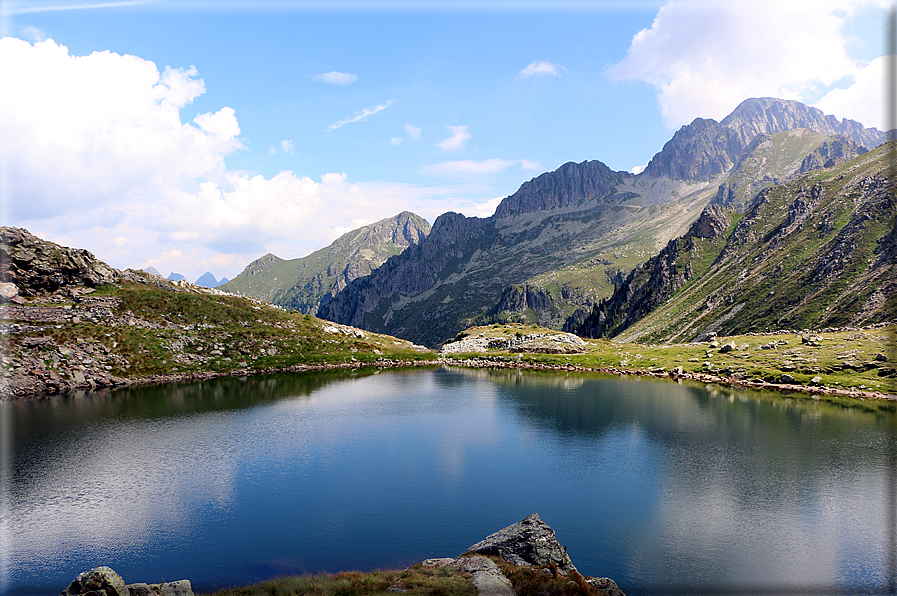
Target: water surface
x=664, y=487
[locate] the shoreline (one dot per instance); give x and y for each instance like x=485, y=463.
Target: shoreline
x=41, y=390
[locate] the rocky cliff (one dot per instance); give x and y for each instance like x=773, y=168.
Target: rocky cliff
x=300, y=284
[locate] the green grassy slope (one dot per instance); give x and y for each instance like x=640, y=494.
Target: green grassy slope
x=815, y=252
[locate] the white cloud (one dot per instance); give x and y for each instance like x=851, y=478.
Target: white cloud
x=358, y=116
x=287, y=146
x=396, y=140
x=271, y=150
x=88, y=131
x=704, y=58
x=863, y=100
x=336, y=78
x=541, y=68
x=465, y=167
x=460, y=136
x=413, y=131
x=638, y=169
x=488, y=208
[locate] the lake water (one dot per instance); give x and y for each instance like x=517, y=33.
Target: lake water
x=664, y=487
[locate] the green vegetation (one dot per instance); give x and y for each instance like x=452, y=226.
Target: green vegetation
x=419, y=580
x=837, y=360
x=163, y=331
x=414, y=581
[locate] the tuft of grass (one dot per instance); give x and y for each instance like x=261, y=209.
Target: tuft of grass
x=415, y=581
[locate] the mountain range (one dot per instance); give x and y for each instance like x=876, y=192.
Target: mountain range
x=300, y=284
x=568, y=238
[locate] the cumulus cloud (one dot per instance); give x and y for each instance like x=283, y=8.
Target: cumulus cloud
x=704, y=58
x=541, y=68
x=87, y=131
x=460, y=136
x=358, y=116
x=286, y=145
x=465, y=167
x=413, y=131
x=336, y=78
x=863, y=99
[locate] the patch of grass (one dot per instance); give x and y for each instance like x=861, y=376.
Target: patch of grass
x=414, y=581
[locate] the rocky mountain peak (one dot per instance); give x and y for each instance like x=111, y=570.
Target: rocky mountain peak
x=770, y=115
x=570, y=183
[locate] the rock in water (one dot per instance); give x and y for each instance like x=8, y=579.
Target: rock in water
x=99, y=581
x=528, y=542
x=103, y=581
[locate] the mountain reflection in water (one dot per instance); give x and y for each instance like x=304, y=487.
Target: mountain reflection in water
x=649, y=482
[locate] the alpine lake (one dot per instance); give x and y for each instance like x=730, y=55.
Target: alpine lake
x=665, y=487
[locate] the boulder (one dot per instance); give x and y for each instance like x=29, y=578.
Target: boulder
x=528, y=542
x=178, y=588
x=728, y=347
x=99, y=581
x=103, y=581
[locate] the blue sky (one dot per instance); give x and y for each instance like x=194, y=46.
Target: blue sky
x=198, y=135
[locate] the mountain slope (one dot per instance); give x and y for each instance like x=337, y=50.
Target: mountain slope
x=566, y=238
x=818, y=251
x=299, y=284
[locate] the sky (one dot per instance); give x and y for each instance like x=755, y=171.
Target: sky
x=199, y=135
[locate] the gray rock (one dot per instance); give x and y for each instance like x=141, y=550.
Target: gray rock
x=178, y=588
x=787, y=379
x=528, y=542
x=881, y=358
x=99, y=581
x=728, y=347
x=606, y=584
x=8, y=291
x=486, y=577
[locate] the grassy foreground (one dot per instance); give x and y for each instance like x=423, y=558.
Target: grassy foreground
x=418, y=580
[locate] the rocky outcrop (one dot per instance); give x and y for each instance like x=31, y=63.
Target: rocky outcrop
x=35, y=266
x=567, y=185
x=103, y=581
x=528, y=542
x=541, y=343
x=831, y=154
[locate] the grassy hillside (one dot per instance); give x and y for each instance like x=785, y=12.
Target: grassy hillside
x=816, y=252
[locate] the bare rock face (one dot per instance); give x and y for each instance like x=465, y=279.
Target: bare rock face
x=37, y=266
x=528, y=542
